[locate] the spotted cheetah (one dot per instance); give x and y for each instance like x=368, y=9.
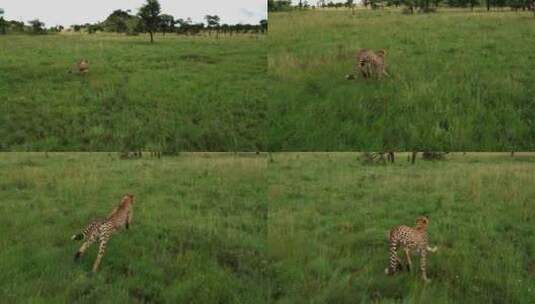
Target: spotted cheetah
x=412, y=240
x=370, y=63
x=101, y=230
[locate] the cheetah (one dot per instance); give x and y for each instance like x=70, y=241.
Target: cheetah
x=370, y=63
x=412, y=240
x=101, y=230
x=81, y=67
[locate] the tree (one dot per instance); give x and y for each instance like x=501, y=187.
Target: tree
x=116, y=21
x=150, y=16
x=3, y=23
x=37, y=26
x=55, y=29
x=167, y=23
x=264, y=25
x=351, y=4
x=93, y=28
x=473, y=3
x=212, y=22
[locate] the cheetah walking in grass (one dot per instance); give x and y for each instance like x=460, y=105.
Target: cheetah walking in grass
x=412, y=240
x=101, y=230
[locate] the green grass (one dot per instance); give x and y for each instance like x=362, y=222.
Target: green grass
x=460, y=80
x=329, y=216
x=179, y=94
x=198, y=236
x=203, y=233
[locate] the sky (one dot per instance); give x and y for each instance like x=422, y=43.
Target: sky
x=69, y=12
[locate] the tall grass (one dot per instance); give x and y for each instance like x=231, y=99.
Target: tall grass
x=198, y=236
x=179, y=94
x=329, y=216
x=460, y=81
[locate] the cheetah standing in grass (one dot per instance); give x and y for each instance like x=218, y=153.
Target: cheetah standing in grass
x=101, y=230
x=412, y=240
x=370, y=63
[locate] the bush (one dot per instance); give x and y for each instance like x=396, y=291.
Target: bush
x=407, y=11
x=434, y=155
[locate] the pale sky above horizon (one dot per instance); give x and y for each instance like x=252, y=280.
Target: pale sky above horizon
x=68, y=12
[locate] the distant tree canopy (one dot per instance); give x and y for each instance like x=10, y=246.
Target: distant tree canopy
x=3, y=23
x=167, y=23
x=37, y=26
x=119, y=22
x=212, y=21
x=279, y=5
x=55, y=29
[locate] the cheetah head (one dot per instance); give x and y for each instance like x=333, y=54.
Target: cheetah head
x=381, y=53
x=128, y=198
x=422, y=222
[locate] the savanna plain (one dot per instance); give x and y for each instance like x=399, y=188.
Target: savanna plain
x=460, y=80
x=329, y=215
x=181, y=93
x=198, y=234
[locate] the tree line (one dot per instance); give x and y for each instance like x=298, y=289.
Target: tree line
x=148, y=19
x=410, y=5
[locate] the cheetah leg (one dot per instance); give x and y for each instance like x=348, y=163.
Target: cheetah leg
x=408, y=257
x=365, y=70
x=423, y=262
x=394, y=260
x=84, y=247
x=101, y=251
x=128, y=219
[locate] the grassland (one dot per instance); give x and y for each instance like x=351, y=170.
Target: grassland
x=198, y=236
x=179, y=94
x=329, y=215
x=460, y=81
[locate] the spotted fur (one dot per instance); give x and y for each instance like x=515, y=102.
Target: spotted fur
x=412, y=240
x=101, y=230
